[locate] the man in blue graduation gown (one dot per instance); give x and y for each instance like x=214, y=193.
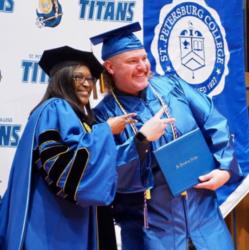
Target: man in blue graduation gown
x=149, y=216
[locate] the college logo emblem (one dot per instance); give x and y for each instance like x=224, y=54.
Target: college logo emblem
x=49, y=13
x=191, y=42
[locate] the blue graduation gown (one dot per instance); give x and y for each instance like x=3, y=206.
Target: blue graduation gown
x=172, y=220
x=60, y=174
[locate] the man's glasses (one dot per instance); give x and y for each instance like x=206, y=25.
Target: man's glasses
x=80, y=79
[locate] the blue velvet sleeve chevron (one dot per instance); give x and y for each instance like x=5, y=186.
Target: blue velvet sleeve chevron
x=78, y=165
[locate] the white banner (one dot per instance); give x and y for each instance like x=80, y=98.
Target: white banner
x=28, y=28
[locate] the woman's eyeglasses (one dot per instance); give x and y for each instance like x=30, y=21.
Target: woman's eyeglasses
x=80, y=79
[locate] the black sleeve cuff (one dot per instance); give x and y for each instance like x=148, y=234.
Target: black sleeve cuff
x=142, y=144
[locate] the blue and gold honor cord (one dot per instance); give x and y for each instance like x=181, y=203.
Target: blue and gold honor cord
x=147, y=193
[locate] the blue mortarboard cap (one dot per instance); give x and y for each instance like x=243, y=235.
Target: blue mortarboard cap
x=118, y=40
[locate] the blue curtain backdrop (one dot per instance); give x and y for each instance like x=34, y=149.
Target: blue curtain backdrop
x=220, y=25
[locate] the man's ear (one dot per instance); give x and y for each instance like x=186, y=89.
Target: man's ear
x=108, y=66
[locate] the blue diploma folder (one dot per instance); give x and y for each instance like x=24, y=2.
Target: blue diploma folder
x=183, y=160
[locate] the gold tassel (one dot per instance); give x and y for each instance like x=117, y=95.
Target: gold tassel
x=95, y=94
x=102, y=83
x=147, y=194
x=184, y=194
